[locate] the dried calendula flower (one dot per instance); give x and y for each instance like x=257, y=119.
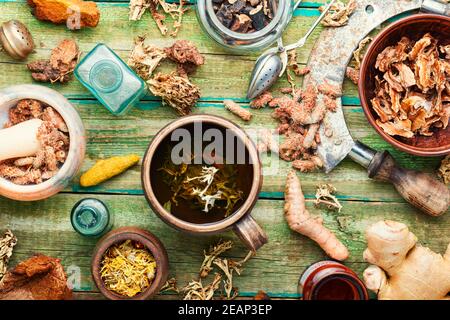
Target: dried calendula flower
x=7, y=244
x=178, y=92
x=144, y=59
x=128, y=268
x=106, y=169
x=444, y=169
x=325, y=195
x=339, y=14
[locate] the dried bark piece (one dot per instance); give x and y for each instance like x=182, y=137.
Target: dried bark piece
x=37, y=278
x=63, y=61
x=144, y=59
x=176, y=91
x=186, y=54
x=76, y=14
x=295, y=66
x=262, y=100
x=237, y=110
x=7, y=244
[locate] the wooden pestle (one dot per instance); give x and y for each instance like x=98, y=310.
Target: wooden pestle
x=20, y=140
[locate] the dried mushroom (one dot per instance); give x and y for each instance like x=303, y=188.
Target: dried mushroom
x=411, y=89
x=245, y=16
x=339, y=14
x=54, y=140
x=62, y=63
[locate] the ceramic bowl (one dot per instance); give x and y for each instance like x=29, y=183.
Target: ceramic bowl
x=9, y=98
x=413, y=27
x=150, y=241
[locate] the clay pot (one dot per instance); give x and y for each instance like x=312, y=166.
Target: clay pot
x=240, y=221
x=150, y=241
x=9, y=98
x=413, y=27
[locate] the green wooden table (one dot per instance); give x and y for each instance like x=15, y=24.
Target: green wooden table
x=44, y=226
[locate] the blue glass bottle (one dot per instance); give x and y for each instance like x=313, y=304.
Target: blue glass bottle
x=110, y=80
x=91, y=218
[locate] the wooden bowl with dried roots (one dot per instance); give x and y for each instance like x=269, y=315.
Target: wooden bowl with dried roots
x=404, y=84
x=110, y=260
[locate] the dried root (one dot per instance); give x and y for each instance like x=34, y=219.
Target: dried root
x=186, y=55
x=325, y=195
x=211, y=255
x=176, y=91
x=53, y=138
x=299, y=220
x=237, y=110
x=63, y=61
x=144, y=59
x=444, y=169
x=170, y=286
x=339, y=14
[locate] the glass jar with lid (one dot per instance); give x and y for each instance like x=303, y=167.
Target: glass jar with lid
x=255, y=39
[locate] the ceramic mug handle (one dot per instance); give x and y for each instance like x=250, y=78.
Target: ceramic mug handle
x=248, y=230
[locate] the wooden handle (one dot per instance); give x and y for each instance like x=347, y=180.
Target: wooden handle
x=248, y=230
x=420, y=189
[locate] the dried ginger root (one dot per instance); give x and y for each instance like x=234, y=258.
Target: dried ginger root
x=401, y=269
x=61, y=65
x=339, y=14
x=444, y=169
x=144, y=59
x=237, y=110
x=299, y=220
x=178, y=92
x=75, y=14
x=106, y=169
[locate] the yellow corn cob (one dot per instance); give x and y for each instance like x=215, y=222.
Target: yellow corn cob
x=106, y=169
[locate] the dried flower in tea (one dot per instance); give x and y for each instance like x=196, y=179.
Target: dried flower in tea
x=128, y=268
x=208, y=187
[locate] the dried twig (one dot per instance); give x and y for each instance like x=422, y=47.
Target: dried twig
x=211, y=255
x=325, y=195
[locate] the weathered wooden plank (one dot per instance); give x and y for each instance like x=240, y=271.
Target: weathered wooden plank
x=109, y=135
x=45, y=227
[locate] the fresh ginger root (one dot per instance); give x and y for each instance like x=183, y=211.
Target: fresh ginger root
x=301, y=221
x=401, y=269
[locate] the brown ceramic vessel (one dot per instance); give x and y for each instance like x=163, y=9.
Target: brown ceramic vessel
x=413, y=27
x=240, y=221
x=150, y=241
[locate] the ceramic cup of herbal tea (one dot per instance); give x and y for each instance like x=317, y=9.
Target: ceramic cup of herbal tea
x=202, y=175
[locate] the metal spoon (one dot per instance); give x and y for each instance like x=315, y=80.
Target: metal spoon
x=273, y=63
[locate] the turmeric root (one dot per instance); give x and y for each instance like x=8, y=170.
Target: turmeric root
x=299, y=220
x=106, y=169
x=401, y=269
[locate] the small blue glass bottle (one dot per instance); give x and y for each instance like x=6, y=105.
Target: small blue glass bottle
x=91, y=218
x=110, y=80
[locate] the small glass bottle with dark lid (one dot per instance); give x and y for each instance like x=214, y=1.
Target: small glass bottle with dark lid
x=91, y=218
x=331, y=280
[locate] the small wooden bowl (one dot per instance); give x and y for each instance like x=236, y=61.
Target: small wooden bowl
x=150, y=241
x=413, y=27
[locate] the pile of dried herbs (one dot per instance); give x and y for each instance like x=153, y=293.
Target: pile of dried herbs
x=7, y=244
x=208, y=187
x=128, y=268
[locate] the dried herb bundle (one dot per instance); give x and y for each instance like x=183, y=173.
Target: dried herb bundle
x=207, y=187
x=412, y=89
x=325, y=195
x=128, y=268
x=54, y=140
x=144, y=59
x=7, y=244
x=175, y=11
x=195, y=290
x=175, y=91
x=63, y=61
